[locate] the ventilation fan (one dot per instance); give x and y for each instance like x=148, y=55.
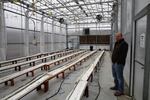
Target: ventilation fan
x=61, y=20
x=99, y=17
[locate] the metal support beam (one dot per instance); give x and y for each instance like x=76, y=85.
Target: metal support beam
x=3, y=35
x=78, y=45
x=26, y=34
x=81, y=14
x=52, y=36
x=68, y=8
x=81, y=8
x=131, y=76
x=60, y=39
x=89, y=22
x=78, y=5
x=90, y=27
x=29, y=7
x=119, y=11
x=67, y=37
x=132, y=64
x=146, y=85
x=114, y=23
x=116, y=18
x=111, y=38
x=42, y=37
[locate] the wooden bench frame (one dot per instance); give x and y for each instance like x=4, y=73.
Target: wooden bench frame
x=27, y=58
x=83, y=80
x=32, y=69
x=32, y=62
x=44, y=80
x=62, y=71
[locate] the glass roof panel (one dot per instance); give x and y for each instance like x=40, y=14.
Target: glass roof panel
x=74, y=11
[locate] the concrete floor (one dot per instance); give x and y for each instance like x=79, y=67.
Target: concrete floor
x=104, y=76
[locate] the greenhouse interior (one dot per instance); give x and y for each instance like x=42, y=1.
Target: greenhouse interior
x=74, y=49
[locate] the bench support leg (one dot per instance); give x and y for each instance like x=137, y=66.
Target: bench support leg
x=63, y=75
x=19, y=68
x=15, y=62
x=57, y=76
x=46, y=86
x=33, y=63
x=96, y=69
x=48, y=67
x=27, y=74
x=32, y=72
x=91, y=77
x=12, y=62
x=74, y=67
x=38, y=88
x=15, y=68
x=86, y=93
x=12, y=82
x=45, y=60
x=80, y=63
x=42, y=67
x=45, y=67
x=6, y=83
x=26, y=59
x=69, y=68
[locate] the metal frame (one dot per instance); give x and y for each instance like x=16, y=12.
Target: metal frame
x=70, y=10
x=82, y=4
x=42, y=37
x=142, y=13
x=76, y=12
x=67, y=37
x=3, y=34
x=131, y=76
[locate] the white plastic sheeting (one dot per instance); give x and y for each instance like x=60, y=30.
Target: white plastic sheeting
x=3, y=35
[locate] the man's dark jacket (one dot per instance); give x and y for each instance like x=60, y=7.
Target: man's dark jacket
x=120, y=52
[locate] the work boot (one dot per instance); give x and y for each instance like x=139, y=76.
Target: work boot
x=118, y=93
x=113, y=88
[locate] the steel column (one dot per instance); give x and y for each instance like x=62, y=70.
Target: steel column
x=26, y=34
x=60, y=39
x=3, y=34
x=52, y=36
x=42, y=37
x=67, y=37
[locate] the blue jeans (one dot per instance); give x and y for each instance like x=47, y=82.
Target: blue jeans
x=117, y=71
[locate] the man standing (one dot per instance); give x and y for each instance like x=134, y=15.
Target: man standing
x=118, y=62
